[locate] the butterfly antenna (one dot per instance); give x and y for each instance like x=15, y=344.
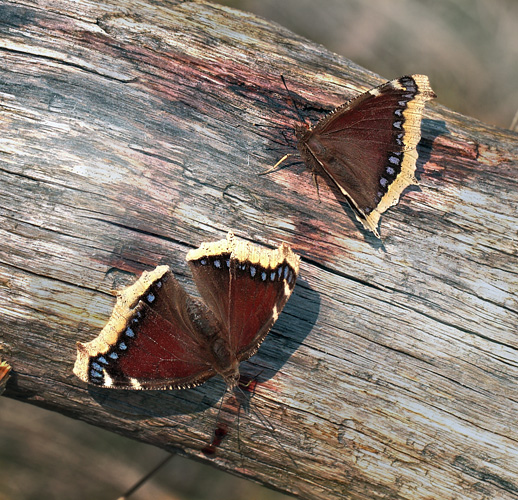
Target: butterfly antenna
x=285, y=157
x=220, y=407
x=292, y=100
x=262, y=418
x=138, y=484
x=244, y=396
x=239, y=434
x=220, y=430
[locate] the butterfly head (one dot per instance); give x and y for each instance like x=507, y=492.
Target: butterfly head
x=232, y=379
x=301, y=130
x=231, y=375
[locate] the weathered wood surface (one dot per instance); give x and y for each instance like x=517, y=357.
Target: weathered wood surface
x=129, y=135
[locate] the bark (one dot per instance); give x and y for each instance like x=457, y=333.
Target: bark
x=131, y=132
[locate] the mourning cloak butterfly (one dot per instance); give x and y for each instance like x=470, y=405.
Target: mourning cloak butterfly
x=4, y=375
x=367, y=146
x=159, y=337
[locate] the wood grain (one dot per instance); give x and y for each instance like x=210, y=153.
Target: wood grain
x=131, y=132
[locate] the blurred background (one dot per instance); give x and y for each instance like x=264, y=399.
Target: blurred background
x=469, y=50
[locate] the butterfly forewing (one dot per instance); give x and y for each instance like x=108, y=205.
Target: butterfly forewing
x=260, y=285
x=363, y=136
x=210, y=267
x=154, y=339
x=246, y=287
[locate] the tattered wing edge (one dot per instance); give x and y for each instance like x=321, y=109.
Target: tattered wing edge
x=127, y=300
x=244, y=251
x=413, y=115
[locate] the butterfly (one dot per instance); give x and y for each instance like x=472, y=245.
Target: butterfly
x=367, y=146
x=159, y=337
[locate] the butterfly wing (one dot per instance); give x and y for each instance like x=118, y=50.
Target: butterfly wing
x=260, y=285
x=246, y=287
x=153, y=340
x=210, y=267
x=367, y=146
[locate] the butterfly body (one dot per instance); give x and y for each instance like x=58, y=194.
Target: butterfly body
x=367, y=146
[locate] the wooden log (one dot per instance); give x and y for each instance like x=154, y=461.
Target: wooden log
x=131, y=132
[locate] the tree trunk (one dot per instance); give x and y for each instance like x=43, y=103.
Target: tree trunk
x=131, y=132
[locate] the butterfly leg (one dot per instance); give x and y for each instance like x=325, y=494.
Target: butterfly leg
x=271, y=169
x=315, y=181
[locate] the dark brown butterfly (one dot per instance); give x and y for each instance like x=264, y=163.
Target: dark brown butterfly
x=159, y=337
x=367, y=146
